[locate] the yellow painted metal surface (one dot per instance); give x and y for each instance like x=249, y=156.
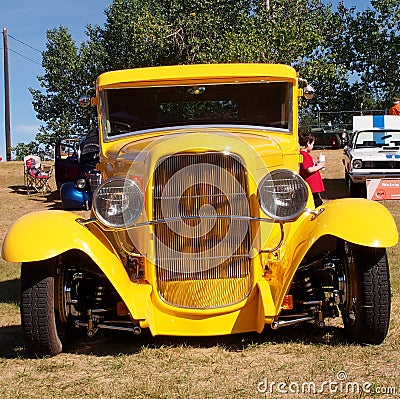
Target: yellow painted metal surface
x=356, y=220
x=250, y=317
x=62, y=233
x=187, y=74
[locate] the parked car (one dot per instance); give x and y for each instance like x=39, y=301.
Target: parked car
x=202, y=225
x=330, y=137
x=373, y=152
x=75, y=161
x=78, y=194
x=66, y=161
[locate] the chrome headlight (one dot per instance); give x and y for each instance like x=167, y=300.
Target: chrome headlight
x=283, y=194
x=118, y=202
x=357, y=164
x=81, y=183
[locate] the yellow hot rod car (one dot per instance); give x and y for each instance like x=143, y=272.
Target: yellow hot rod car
x=201, y=224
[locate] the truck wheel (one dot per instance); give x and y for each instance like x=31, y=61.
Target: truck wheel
x=366, y=307
x=40, y=322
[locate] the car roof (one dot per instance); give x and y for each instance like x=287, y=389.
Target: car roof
x=197, y=72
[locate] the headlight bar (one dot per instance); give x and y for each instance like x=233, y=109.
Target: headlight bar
x=282, y=194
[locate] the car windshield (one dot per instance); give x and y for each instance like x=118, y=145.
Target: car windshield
x=129, y=110
x=377, y=138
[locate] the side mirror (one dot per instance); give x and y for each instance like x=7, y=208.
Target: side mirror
x=309, y=92
x=84, y=100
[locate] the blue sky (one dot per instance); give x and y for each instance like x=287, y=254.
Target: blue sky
x=28, y=21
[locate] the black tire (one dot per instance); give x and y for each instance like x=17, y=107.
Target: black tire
x=39, y=321
x=366, y=309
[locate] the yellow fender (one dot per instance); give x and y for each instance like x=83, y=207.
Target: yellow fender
x=60, y=232
x=356, y=220
x=45, y=234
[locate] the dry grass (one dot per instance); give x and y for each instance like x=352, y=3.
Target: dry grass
x=117, y=365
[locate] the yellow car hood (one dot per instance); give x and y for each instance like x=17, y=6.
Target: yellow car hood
x=264, y=148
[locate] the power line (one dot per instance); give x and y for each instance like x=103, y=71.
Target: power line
x=25, y=44
x=21, y=55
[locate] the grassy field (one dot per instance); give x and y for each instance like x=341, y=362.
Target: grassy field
x=274, y=364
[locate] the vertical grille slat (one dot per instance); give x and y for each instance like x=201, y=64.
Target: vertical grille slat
x=202, y=263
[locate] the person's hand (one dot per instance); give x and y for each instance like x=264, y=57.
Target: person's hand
x=321, y=165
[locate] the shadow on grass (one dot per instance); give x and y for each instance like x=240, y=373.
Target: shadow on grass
x=335, y=189
x=19, y=190
x=113, y=343
x=51, y=199
x=12, y=342
x=9, y=291
x=108, y=343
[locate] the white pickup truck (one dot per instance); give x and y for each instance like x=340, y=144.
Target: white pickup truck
x=373, y=151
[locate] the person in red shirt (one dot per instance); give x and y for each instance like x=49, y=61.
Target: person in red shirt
x=395, y=109
x=309, y=169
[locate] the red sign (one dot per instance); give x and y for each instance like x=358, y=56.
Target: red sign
x=383, y=189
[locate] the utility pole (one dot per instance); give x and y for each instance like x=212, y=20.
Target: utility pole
x=7, y=96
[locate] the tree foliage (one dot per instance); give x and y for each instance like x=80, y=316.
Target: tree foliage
x=371, y=53
x=352, y=58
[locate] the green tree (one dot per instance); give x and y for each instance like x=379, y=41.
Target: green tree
x=302, y=33
x=371, y=53
x=56, y=103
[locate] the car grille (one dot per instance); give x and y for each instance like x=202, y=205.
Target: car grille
x=201, y=263
x=381, y=164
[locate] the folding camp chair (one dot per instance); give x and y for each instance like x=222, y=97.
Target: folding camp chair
x=36, y=175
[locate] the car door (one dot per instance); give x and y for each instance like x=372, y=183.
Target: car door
x=66, y=166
